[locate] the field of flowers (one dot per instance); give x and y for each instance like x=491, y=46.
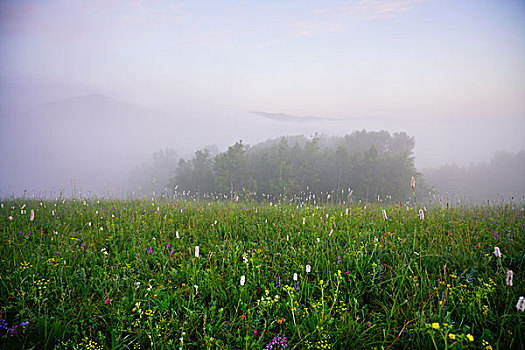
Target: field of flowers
x=138, y=274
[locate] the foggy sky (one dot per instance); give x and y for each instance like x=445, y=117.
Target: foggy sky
x=89, y=89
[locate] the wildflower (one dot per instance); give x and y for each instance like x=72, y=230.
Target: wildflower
x=13, y=330
x=243, y=280
x=196, y=251
x=276, y=343
x=521, y=304
x=497, y=252
x=413, y=183
x=243, y=317
x=137, y=285
x=384, y=214
x=295, y=277
x=196, y=288
x=32, y=215
x=304, y=219
x=496, y=234
x=452, y=336
x=435, y=325
x=308, y=268
x=509, y=278
x=278, y=282
x=421, y=214
x=470, y=337
x=106, y=301
x=10, y=218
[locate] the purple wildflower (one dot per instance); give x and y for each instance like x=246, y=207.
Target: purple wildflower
x=13, y=330
x=278, y=282
x=276, y=343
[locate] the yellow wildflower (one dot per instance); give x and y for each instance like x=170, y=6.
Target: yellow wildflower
x=435, y=325
x=470, y=337
x=452, y=336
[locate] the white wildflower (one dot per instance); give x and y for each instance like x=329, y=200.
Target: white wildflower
x=521, y=304
x=497, y=252
x=197, y=251
x=243, y=280
x=308, y=268
x=510, y=274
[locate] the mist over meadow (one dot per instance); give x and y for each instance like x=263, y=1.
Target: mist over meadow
x=92, y=93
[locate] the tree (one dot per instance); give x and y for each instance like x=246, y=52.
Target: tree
x=231, y=170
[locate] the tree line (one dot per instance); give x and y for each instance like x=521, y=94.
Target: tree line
x=500, y=178
x=361, y=166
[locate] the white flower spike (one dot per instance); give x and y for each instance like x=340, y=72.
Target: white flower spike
x=521, y=304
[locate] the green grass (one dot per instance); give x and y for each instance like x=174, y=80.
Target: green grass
x=114, y=275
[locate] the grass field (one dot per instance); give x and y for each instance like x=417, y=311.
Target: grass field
x=97, y=274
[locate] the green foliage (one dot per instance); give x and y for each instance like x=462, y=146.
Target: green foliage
x=99, y=274
x=366, y=166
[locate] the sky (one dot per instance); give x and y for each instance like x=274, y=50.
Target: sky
x=451, y=73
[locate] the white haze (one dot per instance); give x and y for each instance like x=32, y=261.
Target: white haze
x=89, y=90
x=93, y=142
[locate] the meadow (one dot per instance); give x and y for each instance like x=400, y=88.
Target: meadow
x=139, y=274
